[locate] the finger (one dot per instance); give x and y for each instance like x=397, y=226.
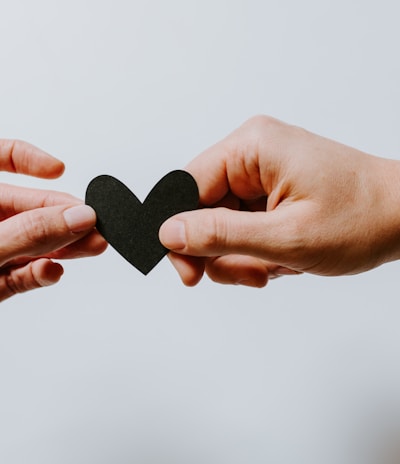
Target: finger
x=24, y=158
x=244, y=270
x=35, y=274
x=238, y=270
x=190, y=269
x=234, y=164
x=41, y=231
x=231, y=269
x=92, y=244
x=15, y=199
x=273, y=236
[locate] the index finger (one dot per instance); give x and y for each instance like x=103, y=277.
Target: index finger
x=209, y=171
x=23, y=158
x=234, y=164
x=16, y=199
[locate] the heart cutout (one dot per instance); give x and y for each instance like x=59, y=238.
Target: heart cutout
x=130, y=226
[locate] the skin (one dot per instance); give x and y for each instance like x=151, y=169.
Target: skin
x=280, y=200
x=33, y=227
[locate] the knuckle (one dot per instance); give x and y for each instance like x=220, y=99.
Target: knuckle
x=18, y=282
x=260, y=123
x=9, y=149
x=8, y=287
x=35, y=228
x=212, y=233
x=7, y=146
x=261, y=129
x=14, y=284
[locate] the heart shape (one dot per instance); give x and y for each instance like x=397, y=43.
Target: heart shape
x=131, y=227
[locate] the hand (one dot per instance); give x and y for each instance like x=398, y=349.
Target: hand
x=280, y=200
x=38, y=225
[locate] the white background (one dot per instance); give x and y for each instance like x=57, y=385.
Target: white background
x=113, y=367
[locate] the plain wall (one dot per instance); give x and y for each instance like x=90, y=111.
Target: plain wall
x=110, y=366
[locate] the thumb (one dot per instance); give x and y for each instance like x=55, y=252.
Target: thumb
x=221, y=231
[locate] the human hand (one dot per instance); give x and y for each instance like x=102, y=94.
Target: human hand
x=280, y=200
x=38, y=226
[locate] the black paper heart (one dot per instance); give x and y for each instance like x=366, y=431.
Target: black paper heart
x=130, y=226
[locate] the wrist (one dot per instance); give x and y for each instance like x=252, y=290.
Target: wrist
x=387, y=217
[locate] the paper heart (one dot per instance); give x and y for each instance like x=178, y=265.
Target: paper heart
x=131, y=226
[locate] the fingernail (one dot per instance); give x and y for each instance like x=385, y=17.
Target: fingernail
x=80, y=218
x=172, y=234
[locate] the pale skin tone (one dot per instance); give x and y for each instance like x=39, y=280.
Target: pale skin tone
x=37, y=226
x=279, y=200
